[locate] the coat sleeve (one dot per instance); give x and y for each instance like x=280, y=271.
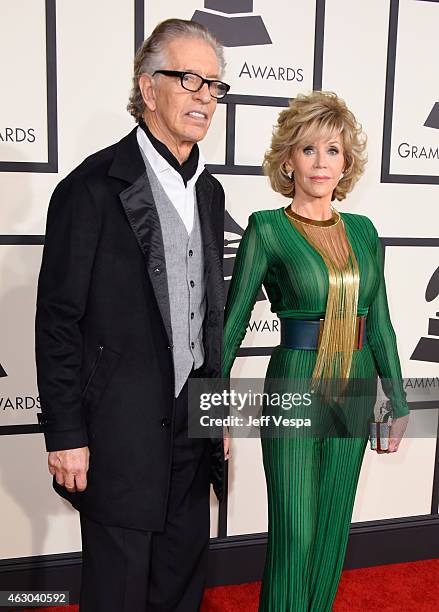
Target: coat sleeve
x=248, y=274
x=72, y=233
x=382, y=339
x=220, y=228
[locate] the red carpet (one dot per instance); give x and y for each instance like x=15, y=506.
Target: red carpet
x=403, y=587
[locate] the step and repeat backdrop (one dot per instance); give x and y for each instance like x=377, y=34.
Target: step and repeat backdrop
x=66, y=71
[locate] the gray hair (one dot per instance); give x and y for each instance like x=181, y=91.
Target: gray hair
x=151, y=55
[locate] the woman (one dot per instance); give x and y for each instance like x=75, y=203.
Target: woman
x=316, y=263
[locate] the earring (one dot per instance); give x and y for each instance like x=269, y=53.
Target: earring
x=286, y=170
x=341, y=176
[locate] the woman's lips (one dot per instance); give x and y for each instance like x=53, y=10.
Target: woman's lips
x=319, y=179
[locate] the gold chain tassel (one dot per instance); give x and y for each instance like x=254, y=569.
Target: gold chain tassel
x=334, y=356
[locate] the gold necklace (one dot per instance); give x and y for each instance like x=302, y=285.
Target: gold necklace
x=307, y=221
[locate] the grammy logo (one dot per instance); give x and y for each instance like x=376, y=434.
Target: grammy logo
x=233, y=31
x=432, y=120
x=427, y=349
x=232, y=237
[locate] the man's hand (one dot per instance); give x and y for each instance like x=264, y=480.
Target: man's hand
x=70, y=468
x=396, y=433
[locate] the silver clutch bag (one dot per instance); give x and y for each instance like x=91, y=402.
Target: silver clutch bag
x=380, y=429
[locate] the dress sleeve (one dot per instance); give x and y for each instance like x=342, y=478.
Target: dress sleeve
x=248, y=274
x=382, y=339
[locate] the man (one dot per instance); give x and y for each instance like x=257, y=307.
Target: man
x=130, y=305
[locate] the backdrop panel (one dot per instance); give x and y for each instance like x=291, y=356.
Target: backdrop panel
x=19, y=401
x=24, y=126
x=412, y=136
x=35, y=521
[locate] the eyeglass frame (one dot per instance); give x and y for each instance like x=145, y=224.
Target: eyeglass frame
x=182, y=73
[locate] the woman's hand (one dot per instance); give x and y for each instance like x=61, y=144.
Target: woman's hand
x=396, y=433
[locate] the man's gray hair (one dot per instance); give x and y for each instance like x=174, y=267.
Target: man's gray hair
x=151, y=55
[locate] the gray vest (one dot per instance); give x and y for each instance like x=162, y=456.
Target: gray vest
x=186, y=282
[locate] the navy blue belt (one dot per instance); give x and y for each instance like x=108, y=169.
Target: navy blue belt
x=302, y=334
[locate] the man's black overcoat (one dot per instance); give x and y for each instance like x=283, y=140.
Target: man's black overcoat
x=103, y=333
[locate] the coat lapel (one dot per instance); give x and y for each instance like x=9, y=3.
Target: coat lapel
x=138, y=202
x=140, y=209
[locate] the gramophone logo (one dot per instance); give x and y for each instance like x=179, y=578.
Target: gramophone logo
x=263, y=58
x=433, y=118
x=263, y=328
x=427, y=348
x=233, y=233
x=226, y=20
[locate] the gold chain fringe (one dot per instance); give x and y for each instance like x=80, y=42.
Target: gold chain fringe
x=328, y=238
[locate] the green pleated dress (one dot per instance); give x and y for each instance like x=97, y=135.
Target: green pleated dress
x=311, y=481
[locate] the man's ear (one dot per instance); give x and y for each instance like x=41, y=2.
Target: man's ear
x=146, y=85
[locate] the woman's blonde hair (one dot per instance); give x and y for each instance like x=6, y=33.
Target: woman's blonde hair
x=318, y=114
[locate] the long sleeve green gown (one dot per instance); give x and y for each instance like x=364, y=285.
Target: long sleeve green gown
x=311, y=481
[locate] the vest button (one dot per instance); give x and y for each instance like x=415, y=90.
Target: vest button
x=165, y=422
x=192, y=284
x=157, y=271
x=191, y=253
x=192, y=315
x=193, y=344
x=170, y=347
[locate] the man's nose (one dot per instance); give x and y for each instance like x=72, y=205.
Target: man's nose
x=203, y=94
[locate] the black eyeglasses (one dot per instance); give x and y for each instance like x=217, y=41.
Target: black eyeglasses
x=194, y=82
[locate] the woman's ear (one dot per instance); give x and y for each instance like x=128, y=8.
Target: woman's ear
x=289, y=163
